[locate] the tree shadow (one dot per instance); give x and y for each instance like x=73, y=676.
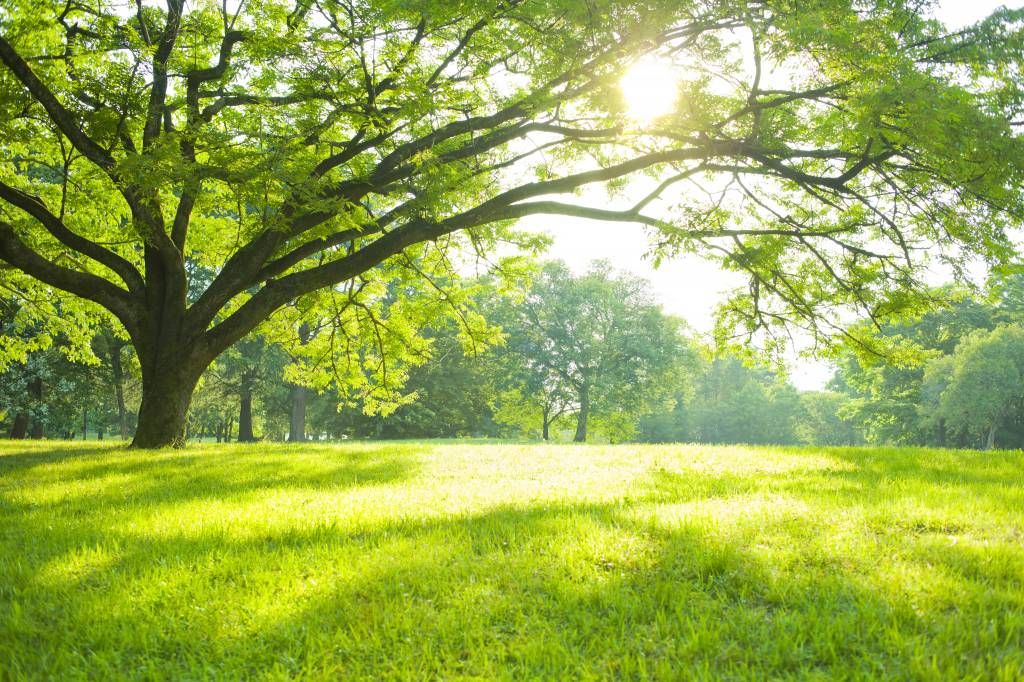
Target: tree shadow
x=24, y=456
x=95, y=481
x=526, y=590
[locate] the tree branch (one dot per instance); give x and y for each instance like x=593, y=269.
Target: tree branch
x=35, y=208
x=62, y=118
x=90, y=287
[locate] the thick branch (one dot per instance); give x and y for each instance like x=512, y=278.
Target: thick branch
x=62, y=118
x=84, y=285
x=35, y=208
x=158, y=91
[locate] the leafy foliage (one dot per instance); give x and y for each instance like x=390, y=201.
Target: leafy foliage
x=309, y=152
x=594, y=346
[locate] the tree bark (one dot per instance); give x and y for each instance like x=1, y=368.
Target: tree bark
x=990, y=441
x=583, y=415
x=245, y=434
x=546, y=428
x=166, y=395
x=19, y=429
x=297, y=422
x=117, y=371
x=36, y=390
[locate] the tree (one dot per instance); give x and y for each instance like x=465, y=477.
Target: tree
x=735, y=403
x=892, y=396
x=596, y=340
x=986, y=384
x=249, y=370
x=453, y=391
x=293, y=147
x=820, y=423
x=111, y=349
x=297, y=396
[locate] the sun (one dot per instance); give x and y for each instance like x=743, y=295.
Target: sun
x=649, y=89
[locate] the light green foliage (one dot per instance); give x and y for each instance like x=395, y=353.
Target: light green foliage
x=958, y=381
x=985, y=381
x=594, y=346
x=495, y=561
x=453, y=390
x=735, y=403
x=293, y=147
x=819, y=421
x=895, y=402
x=723, y=399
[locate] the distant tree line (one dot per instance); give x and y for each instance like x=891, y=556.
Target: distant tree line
x=569, y=357
x=961, y=384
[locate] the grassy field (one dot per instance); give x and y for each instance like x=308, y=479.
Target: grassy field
x=469, y=560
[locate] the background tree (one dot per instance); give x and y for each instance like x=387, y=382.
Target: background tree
x=250, y=370
x=453, y=391
x=597, y=338
x=820, y=420
x=986, y=384
x=736, y=403
x=888, y=389
x=294, y=147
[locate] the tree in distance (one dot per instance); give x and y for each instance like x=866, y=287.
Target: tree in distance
x=590, y=347
x=982, y=383
x=317, y=157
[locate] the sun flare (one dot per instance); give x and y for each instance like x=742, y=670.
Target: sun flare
x=649, y=89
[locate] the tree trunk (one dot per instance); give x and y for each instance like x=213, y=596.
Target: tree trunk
x=245, y=434
x=166, y=395
x=36, y=389
x=546, y=429
x=118, y=376
x=990, y=441
x=297, y=422
x=85, y=423
x=19, y=429
x=583, y=415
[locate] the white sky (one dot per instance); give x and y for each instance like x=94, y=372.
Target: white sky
x=691, y=287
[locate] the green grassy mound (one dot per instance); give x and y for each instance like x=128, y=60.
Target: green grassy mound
x=427, y=560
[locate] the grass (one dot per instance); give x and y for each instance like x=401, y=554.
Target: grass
x=491, y=561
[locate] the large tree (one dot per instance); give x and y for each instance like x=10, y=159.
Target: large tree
x=294, y=146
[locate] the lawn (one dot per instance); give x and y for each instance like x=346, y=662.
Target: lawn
x=480, y=560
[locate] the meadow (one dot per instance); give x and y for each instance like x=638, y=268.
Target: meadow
x=425, y=560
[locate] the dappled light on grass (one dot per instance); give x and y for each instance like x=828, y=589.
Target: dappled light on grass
x=463, y=559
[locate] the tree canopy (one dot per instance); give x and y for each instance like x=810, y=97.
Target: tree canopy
x=322, y=156
x=591, y=347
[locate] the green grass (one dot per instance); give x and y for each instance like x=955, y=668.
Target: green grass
x=471, y=560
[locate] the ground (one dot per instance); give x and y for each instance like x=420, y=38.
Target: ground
x=477, y=560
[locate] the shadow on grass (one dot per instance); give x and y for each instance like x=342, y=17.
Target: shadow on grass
x=94, y=481
x=19, y=457
x=550, y=590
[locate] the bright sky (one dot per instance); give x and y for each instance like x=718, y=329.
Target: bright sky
x=690, y=287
